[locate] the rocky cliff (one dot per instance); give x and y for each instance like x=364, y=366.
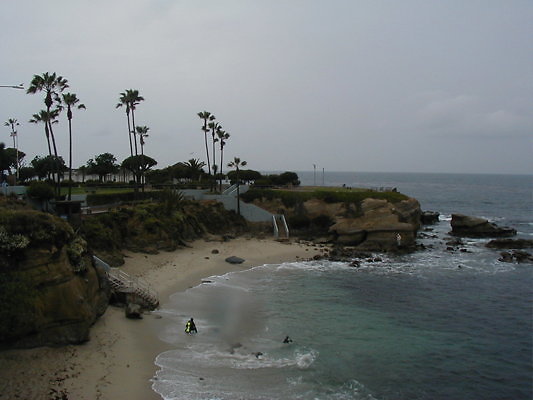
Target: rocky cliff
x=381, y=225
x=50, y=290
x=370, y=221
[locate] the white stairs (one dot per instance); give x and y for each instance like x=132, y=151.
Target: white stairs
x=123, y=283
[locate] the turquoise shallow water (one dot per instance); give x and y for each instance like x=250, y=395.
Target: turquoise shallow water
x=430, y=325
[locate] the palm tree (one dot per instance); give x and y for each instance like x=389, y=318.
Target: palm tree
x=222, y=137
x=123, y=101
x=52, y=85
x=133, y=99
x=12, y=122
x=142, y=131
x=206, y=116
x=237, y=163
x=194, y=168
x=71, y=101
x=214, y=126
x=47, y=118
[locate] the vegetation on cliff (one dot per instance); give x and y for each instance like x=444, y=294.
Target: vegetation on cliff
x=165, y=223
x=50, y=291
x=291, y=198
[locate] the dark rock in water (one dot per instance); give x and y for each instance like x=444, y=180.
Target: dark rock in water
x=516, y=255
x=510, y=244
x=133, y=311
x=455, y=242
x=429, y=217
x=235, y=260
x=463, y=225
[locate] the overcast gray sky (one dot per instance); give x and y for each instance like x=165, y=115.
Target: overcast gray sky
x=348, y=85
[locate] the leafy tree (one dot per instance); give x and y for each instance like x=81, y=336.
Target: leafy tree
x=206, y=116
x=12, y=155
x=138, y=166
x=245, y=175
x=83, y=170
x=71, y=101
x=159, y=176
x=289, y=178
x=47, y=166
x=237, y=164
x=26, y=173
x=102, y=165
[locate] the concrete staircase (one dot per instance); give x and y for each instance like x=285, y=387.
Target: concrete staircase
x=135, y=288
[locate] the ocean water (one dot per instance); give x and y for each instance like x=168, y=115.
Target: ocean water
x=434, y=324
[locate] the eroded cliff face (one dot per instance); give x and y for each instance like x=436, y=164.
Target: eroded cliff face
x=380, y=225
x=370, y=225
x=50, y=290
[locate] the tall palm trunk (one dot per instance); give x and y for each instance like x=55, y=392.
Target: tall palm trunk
x=221, y=165
x=207, y=147
x=69, y=115
x=129, y=129
x=133, y=131
x=47, y=133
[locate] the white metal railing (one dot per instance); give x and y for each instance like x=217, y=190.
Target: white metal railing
x=230, y=190
x=283, y=221
x=276, y=229
x=285, y=225
x=121, y=281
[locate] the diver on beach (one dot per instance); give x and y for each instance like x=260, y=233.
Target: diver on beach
x=190, y=327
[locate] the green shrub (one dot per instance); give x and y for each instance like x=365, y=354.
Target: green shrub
x=292, y=198
x=40, y=190
x=299, y=221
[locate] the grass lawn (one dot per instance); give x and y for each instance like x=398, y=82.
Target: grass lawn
x=100, y=190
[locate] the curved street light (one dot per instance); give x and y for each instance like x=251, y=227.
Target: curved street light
x=21, y=86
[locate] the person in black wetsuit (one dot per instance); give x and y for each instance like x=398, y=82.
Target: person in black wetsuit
x=190, y=327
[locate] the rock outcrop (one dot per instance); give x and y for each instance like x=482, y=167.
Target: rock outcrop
x=50, y=290
x=429, y=217
x=475, y=227
x=381, y=226
x=510, y=244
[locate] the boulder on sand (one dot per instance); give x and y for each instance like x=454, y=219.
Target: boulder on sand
x=235, y=260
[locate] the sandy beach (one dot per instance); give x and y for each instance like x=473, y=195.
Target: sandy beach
x=118, y=360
